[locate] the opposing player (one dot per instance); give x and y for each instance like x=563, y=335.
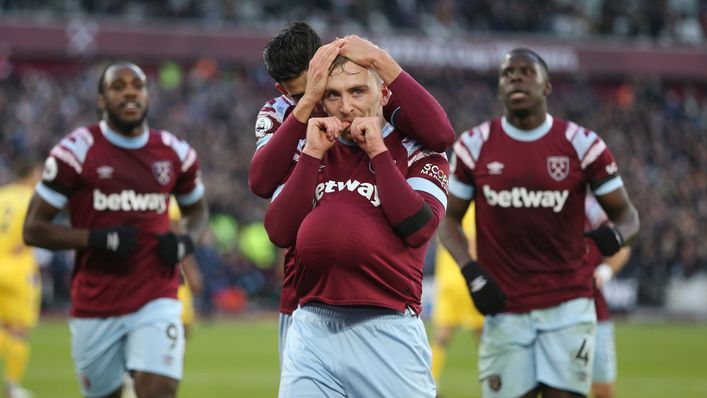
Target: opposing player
x=604, y=372
x=527, y=173
x=299, y=65
x=20, y=288
x=452, y=308
x=116, y=178
x=378, y=199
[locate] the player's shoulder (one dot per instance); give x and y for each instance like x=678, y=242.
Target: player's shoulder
x=481, y=131
x=470, y=142
x=74, y=147
x=277, y=108
x=413, y=149
x=179, y=146
x=582, y=139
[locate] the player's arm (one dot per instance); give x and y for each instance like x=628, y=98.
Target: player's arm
x=190, y=268
x=451, y=233
x=271, y=163
x=293, y=202
x=623, y=215
x=611, y=266
x=411, y=109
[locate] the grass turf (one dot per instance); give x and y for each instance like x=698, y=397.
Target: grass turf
x=238, y=358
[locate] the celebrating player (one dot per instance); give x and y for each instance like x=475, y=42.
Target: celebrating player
x=378, y=199
x=527, y=174
x=299, y=64
x=116, y=178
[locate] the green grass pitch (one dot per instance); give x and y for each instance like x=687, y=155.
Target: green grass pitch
x=239, y=359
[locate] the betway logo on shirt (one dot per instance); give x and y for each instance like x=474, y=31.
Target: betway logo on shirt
x=365, y=189
x=130, y=200
x=522, y=197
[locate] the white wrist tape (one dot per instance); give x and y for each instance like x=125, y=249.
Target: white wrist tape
x=604, y=273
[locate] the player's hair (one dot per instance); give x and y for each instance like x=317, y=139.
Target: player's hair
x=339, y=66
x=531, y=54
x=287, y=54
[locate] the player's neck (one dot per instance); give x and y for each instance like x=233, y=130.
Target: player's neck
x=132, y=132
x=526, y=120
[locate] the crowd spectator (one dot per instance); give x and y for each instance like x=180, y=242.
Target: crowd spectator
x=682, y=21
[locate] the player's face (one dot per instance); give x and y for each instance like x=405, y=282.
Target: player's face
x=523, y=84
x=293, y=88
x=352, y=91
x=124, y=99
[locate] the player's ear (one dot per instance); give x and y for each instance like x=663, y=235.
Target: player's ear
x=385, y=94
x=548, y=88
x=282, y=89
x=101, y=102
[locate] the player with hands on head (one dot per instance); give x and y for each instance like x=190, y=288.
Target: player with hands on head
x=527, y=173
x=115, y=178
x=359, y=282
x=299, y=65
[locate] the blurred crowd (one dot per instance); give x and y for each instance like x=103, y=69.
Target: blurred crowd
x=655, y=129
x=683, y=21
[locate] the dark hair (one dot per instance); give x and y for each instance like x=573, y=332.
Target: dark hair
x=531, y=54
x=287, y=54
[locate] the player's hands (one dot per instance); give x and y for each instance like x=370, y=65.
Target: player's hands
x=172, y=248
x=367, y=133
x=369, y=55
x=607, y=238
x=318, y=72
x=322, y=133
x=488, y=297
x=602, y=274
x=121, y=240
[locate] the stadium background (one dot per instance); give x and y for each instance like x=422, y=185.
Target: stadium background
x=635, y=71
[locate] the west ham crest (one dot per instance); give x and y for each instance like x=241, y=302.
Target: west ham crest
x=162, y=171
x=558, y=167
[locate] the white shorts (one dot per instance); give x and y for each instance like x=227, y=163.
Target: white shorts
x=284, y=325
x=149, y=340
x=355, y=352
x=553, y=346
x=605, y=354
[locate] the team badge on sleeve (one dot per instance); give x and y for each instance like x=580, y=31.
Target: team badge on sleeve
x=162, y=171
x=262, y=126
x=50, y=169
x=558, y=167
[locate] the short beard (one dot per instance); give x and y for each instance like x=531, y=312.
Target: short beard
x=520, y=113
x=122, y=125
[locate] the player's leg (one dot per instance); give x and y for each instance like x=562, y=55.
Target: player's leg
x=440, y=343
x=307, y=358
x=22, y=300
x=506, y=356
x=97, y=347
x=155, y=348
x=564, y=349
x=604, y=374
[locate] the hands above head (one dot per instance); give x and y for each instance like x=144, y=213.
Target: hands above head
x=318, y=71
x=367, y=133
x=172, y=248
x=121, y=240
x=369, y=55
x=322, y=133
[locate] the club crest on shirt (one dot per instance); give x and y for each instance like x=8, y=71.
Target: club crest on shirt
x=558, y=167
x=162, y=171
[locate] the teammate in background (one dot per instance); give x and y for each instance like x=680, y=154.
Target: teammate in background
x=299, y=65
x=116, y=178
x=359, y=281
x=452, y=304
x=604, y=373
x=527, y=174
x=20, y=287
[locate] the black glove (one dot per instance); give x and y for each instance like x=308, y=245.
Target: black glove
x=607, y=238
x=487, y=295
x=121, y=240
x=172, y=248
